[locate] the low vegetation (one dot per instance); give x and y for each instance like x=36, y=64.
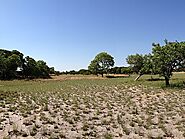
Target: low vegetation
x=89, y=108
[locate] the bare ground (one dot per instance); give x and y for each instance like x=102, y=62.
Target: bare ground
x=93, y=111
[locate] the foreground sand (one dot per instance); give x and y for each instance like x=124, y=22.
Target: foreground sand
x=93, y=111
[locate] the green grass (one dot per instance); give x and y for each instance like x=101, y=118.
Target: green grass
x=176, y=81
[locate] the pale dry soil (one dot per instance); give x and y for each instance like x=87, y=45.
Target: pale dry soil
x=93, y=111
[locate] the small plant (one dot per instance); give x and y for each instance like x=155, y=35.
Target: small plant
x=6, y=137
x=27, y=122
x=85, y=127
x=12, y=109
x=33, y=132
x=24, y=134
x=15, y=129
x=45, y=108
x=108, y=136
x=105, y=122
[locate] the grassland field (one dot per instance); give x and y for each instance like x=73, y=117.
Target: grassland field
x=90, y=107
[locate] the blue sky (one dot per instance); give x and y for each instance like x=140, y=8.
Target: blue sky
x=67, y=34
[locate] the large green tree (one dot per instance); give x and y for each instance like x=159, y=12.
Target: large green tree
x=101, y=63
x=167, y=58
x=163, y=60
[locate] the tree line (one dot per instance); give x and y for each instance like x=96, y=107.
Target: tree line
x=112, y=70
x=14, y=65
x=163, y=60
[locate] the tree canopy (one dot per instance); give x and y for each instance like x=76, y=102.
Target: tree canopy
x=140, y=64
x=101, y=63
x=167, y=58
x=14, y=65
x=163, y=60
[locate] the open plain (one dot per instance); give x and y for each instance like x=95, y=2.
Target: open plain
x=91, y=107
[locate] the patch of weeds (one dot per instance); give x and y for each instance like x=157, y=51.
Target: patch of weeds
x=24, y=134
x=98, y=112
x=1, y=127
x=108, y=136
x=53, y=136
x=62, y=135
x=15, y=129
x=85, y=127
x=70, y=121
x=37, y=126
x=33, y=132
x=6, y=137
x=76, y=118
x=95, y=118
x=27, y=122
x=2, y=120
x=109, y=113
x=105, y=122
x=45, y=108
x=12, y=109
x=85, y=111
x=2, y=105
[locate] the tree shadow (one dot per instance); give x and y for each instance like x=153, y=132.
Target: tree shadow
x=155, y=79
x=177, y=85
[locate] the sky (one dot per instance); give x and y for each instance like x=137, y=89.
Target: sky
x=68, y=34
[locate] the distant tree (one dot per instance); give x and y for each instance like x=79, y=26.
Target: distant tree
x=140, y=64
x=57, y=73
x=101, y=63
x=126, y=70
x=52, y=70
x=115, y=70
x=35, y=69
x=84, y=72
x=73, y=72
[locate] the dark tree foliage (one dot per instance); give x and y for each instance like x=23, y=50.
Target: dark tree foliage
x=84, y=72
x=13, y=65
x=120, y=70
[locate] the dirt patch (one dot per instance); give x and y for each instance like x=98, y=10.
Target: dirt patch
x=73, y=77
x=117, y=76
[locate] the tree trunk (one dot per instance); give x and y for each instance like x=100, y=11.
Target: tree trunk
x=102, y=74
x=137, y=78
x=167, y=81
